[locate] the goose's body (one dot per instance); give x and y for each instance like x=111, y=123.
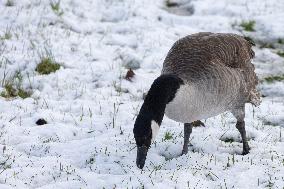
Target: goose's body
x=203, y=75
x=217, y=72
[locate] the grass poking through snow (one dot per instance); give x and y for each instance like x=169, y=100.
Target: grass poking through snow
x=168, y=136
x=248, y=25
x=274, y=78
x=13, y=87
x=47, y=65
x=55, y=6
x=280, y=53
x=10, y=91
x=7, y=35
x=229, y=140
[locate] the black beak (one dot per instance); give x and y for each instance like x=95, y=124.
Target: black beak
x=141, y=156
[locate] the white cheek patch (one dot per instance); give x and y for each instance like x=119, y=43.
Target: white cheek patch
x=155, y=129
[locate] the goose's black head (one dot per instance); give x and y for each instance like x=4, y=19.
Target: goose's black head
x=151, y=114
x=143, y=137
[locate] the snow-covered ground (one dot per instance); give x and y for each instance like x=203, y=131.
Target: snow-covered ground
x=90, y=108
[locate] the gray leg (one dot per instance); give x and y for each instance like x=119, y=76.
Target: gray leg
x=240, y=115
x=241, y=127
x=187, y=132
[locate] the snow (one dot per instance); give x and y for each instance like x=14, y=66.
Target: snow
x=90, y=108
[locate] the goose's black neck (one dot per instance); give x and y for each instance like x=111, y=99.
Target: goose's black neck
x=162, y=91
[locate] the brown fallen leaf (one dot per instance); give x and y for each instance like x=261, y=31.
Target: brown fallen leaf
x=129, y=75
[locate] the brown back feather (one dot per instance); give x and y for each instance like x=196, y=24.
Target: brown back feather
x=196, y=56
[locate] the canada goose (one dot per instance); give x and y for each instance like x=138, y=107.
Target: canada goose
x=203, y=75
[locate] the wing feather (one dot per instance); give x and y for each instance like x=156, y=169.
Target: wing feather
x=193, y=55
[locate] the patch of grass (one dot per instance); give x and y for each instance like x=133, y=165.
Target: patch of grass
x=9, y=92
x=271, y=79
x=168, y=136
x=13, y=87
x=228, y=140
x=280, y=53
x=248, y=25
x=55, y=6
x=7, y=35
x=12, y=92
x=280, y=41
x=46, y=66
x=23, y=94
